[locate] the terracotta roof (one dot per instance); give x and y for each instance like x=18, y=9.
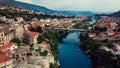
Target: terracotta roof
x=4, y=24
x=54, y=20
x=6, y=46
x=38, y=24
x=8, y=52
x=4, y=58
x=44, y=43
x=96, y=37
x=32, y=34
x=102, y=34
x=117, y=33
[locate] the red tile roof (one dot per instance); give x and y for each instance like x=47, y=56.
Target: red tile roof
x=7, y=45
x=117, y=33
x=102, y=34
x=8, y=52
x=38, y=24
x=4, y=58
x=54, y=21
x=44, y=43
x=32, y=34
x=111, y=32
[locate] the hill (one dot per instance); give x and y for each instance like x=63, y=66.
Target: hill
x=114, y=14
x=41, y=8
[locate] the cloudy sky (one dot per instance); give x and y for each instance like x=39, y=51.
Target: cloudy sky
x=78, y=5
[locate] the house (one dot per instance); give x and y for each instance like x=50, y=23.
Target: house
x=10, y=21
x=21, y=52
x=92, y=34
x=35, y=62
x=111, y=32
x=19, y=19
x=113, y=24
x=54, y=22
x=47, y=22
x=10, y=46
x=26, y=26
x=43, y=45
x=3, y=18
x=6, y=37
x=117, y=45
x=6, y=61
x=6, y=51
x=105, y=48
x=41, y=61
x=117, y=34
x=102, y=34
x=41, y=24
x=19, y=31
x=115, y=51
x=1, y=37
x=97, y=37
x=31, y=36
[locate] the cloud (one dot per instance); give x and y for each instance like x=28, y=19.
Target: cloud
x=81, y=5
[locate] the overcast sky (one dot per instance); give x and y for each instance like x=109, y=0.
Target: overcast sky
x=78, y=5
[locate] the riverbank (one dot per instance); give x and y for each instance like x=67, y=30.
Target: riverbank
x=84, y=41
x=91, y=56
x=99, y=57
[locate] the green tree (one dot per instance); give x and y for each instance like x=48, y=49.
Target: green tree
x=44, y=53
x=41, y=38
x=110, y=45
x=16, y=40
x=52, y=65
x=25, y=41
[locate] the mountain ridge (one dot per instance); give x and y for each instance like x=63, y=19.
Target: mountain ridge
x=114, y=14
x=44, y=9
x=41, y=8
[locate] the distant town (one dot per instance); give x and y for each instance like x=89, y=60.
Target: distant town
x=30, y=39
x=22, y=43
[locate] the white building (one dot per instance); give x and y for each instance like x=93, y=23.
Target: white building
x=117, y=45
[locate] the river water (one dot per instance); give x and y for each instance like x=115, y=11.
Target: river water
x=70, y=55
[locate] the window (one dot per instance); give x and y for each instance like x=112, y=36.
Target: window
x=1, y=34
x=2, y=39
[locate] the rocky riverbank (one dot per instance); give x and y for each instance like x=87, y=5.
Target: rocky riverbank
x=100, y=58
x=95, y=63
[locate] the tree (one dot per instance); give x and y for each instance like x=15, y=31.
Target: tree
x=36, y=29
x=25, y=41
x=44, y=53
x=52, y=65
x=110, y=45
x=41, y=38
x=77, y=26
x=16, y=40
x=101, y=29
